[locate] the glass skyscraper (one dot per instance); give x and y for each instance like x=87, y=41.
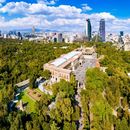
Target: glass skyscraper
x=102, y=32
x=88, y=29
x=121, y=33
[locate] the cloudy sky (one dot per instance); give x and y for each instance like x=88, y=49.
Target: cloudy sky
x=64, y=15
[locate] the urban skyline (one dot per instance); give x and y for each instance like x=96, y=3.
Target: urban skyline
x=63, y=16
x=70, y=37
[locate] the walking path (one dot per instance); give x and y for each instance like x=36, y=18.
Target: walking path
x=78, y=99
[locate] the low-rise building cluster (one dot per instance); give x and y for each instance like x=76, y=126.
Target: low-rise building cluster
x=121, y=41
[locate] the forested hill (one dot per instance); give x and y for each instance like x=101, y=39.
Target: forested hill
x=105, y=99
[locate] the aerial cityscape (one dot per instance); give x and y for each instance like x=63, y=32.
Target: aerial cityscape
x=64, y=65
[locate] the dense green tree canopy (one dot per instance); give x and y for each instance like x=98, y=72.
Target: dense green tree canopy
x=105, y=100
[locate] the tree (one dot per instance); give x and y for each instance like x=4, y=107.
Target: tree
x=42, y=105
x=122, y=125
x=46, y=74
x=76, y=114
x=54, y=126
x=96, y=80
x=32, y=82
x=28, y=125
x=17, y=123
x=73, y=81
x=63, y=86
x=69, y=126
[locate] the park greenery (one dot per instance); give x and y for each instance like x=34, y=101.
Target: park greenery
x=105, y=99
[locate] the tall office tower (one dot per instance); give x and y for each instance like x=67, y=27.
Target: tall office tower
x=102, y=32
x=88, y=30
x=19, y=36
x=121, y=33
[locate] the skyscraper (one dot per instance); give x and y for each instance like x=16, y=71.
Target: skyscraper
x=88, y=30
x=102, y=33
x=121, y=33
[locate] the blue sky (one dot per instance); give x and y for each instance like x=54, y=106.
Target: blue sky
x=64, y=15
x=119, y=8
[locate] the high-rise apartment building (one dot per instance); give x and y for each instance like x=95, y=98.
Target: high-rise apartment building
x=88, y=30
x=102, y=32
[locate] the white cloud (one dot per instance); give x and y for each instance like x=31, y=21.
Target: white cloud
x=39, y=8
x=85, y=7
x=2, y=1
x=104, y=15
x=61, y=18
x=15, y=7
x=47, y=2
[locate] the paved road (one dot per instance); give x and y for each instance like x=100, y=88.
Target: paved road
x=78, y=99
